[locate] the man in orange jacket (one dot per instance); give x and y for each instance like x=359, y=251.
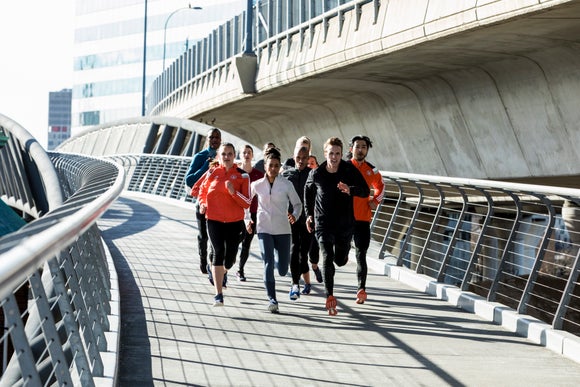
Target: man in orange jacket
x=359, y=147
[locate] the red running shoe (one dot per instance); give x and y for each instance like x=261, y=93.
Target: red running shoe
x=361, y=296
x=331, y=305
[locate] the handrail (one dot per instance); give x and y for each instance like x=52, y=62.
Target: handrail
x=55, y=283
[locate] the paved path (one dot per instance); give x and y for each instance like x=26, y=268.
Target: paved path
x=171, y=335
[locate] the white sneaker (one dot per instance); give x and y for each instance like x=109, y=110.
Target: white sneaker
x=294, y=292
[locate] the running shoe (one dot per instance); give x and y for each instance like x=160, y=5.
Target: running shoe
x=361, y=296
x=241, y=277
x=331, y=306
x=273, y=306
x=318, y=274
x=218, y=300
x=209, y=275
x=225, y=281
x=307, y=288
x=294, y=292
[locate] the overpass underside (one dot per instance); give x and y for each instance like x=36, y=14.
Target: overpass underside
x=468, y=89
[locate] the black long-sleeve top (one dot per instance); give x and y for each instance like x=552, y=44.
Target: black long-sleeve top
x=298, y=179
x=333, y=210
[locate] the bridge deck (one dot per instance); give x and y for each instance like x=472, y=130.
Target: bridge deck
x=171, y=334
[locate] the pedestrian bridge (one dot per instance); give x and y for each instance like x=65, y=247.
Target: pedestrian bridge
x=482, y=89
x=472, y=282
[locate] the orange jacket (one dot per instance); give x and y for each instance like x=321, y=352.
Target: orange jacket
x=362, y=206
x=221, y=206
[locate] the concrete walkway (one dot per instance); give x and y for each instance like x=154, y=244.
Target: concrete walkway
x=171, y=335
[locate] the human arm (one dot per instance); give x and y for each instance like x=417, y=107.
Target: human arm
x=240, y=190
x=378, y=189
x=357, y=185
x=295, y=202
x=199, y=165
x=309, y=199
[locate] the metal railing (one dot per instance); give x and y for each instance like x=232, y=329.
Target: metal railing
x=272, y=22
x=59, y=312
x=515, y=244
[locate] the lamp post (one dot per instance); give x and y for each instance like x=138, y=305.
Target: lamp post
x=144, y=62
x=165, y=28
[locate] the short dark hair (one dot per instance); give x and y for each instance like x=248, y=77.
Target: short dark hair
x=360, y=137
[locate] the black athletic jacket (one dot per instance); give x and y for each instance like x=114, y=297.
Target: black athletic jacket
x=332, y=209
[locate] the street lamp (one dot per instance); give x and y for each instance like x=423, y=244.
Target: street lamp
x=144, y=62
x=165, y=27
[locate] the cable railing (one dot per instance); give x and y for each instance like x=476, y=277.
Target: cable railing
x=58, y=300
x=514, y=244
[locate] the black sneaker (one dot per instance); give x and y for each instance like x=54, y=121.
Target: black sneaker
x=241, y=277
x=218, y=300
x=318, y=274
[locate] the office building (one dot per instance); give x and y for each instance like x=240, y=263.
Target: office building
x=109, y=48
x=59, y=117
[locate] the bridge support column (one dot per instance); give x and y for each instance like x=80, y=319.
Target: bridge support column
x=247, y=66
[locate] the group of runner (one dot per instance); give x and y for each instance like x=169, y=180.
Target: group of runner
x=297, y=209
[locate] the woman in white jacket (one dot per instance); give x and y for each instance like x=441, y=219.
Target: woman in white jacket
x=275, y=194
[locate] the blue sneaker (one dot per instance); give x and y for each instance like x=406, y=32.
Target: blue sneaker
x=209, y=275
x=225, y=281
x=218, y=300
x=294, y=292
x=318, y=274
x=273, y=306
x=307, y=288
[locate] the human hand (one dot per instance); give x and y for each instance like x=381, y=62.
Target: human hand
x=344, y=188
x=310, y=224
x=230, y=187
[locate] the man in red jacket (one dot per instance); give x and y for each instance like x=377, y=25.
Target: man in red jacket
x=359, y=147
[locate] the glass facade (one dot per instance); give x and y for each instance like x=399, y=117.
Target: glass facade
x=59, y=117
x=109, y=40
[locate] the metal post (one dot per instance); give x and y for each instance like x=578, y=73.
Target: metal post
x=144, y=61
x=165, y=28
x=248, y=49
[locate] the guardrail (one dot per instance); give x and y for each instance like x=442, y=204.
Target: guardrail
x=272, y=22
x=515, y=244
x=59, y=310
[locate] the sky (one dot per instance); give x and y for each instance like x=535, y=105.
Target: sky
x=36, y=45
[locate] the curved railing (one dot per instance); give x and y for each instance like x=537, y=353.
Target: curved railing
x=515, y=244
x=28, y=181
x=57, y=296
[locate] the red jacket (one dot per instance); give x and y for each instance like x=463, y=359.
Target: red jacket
x=362, y=207
x=221, y=206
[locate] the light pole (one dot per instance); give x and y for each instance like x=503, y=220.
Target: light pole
x=144, y=62
x=165, y=28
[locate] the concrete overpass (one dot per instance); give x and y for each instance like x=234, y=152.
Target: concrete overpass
x=481, y=89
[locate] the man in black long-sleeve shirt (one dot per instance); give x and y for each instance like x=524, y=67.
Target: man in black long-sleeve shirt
x=328, y=203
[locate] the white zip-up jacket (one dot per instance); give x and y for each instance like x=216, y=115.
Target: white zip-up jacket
x=273, y=200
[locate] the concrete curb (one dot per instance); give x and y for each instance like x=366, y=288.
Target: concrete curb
x=538, y=332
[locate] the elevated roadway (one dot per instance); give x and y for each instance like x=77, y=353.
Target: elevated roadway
x=481, y=89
